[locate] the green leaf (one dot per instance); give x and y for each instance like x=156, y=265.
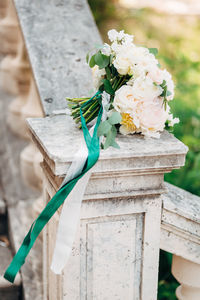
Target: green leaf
x=110, y=138
x=115, y=118
x=92, y=61
x=163, y=84
x=159, y=65
x=115, y=145
x=108, y=73
x=108, y=87
x=104, y=128
x=164, y=93
x=101, y=60
x=87, y=58
x=154, y=51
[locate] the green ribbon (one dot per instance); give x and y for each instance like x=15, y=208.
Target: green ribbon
x=57, y=200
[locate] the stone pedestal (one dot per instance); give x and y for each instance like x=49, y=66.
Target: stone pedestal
x=116, y=250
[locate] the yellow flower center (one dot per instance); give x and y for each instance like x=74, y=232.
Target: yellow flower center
x=127, y=121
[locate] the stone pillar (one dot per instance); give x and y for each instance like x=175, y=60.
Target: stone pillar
x=3, y=8
x=21, y=74
x=116, y=251
x=9, y=30
x=29, y=156
x=187, y=273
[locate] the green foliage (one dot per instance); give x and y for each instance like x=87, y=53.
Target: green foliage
x=115, y=118
x=98, y=59
x=104, y=128
x=108, y=130
x=108, y=87
x=154, y=51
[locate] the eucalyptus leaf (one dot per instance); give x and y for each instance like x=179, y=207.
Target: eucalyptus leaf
x=168, y=93
x=104, y=128
x=115, y=118
x=154, y=51
x=92, y=61
x=115, y=145
x=101, y=60
x=110, y=138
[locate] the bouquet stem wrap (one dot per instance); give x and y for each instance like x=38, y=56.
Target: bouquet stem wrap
x=58, y=199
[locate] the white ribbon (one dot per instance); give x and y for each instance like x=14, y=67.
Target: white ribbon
x=70, y=214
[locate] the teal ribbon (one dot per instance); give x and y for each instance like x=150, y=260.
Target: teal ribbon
x=57, y=200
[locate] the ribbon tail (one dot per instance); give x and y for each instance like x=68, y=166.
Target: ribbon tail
x=57, y=200
x=67, y=227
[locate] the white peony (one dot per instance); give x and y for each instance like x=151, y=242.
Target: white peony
x=124, y=100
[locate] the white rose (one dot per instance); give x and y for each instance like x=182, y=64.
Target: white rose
x=122, y=61
x=142, y=57
x=145, y=90
x=97, y=75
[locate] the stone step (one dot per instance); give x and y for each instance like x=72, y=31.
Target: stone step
x=8, y=291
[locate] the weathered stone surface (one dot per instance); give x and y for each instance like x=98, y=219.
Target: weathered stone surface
x=8, y=291
x=57, y=42
x=20, y=219
x=180, y=230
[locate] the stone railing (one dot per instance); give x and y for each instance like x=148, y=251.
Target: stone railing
x=127, y=213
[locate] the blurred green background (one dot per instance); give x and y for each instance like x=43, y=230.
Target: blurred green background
x=178, y=39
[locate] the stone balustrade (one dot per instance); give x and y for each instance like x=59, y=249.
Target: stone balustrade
x=117, y=241
x=127, y=213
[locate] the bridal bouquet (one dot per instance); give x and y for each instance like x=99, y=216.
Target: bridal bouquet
x=132, y=88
